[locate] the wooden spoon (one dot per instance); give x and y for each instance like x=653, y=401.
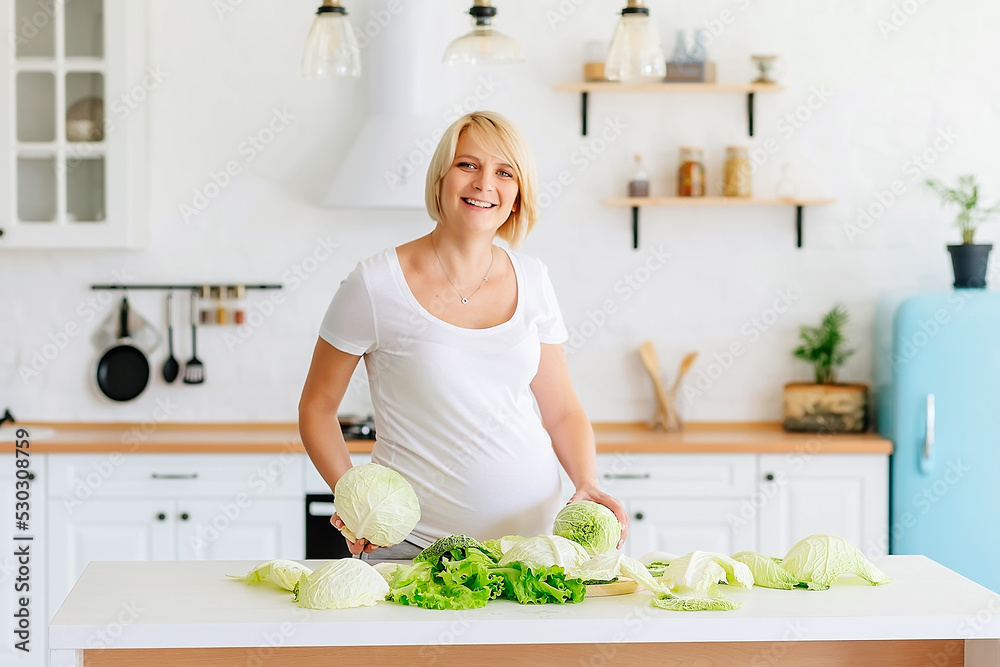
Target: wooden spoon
x=647, y=352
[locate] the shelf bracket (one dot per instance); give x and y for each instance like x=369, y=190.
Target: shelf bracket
x=583, y=112
x=750, y=113
x=635, y=228
x=798, y=226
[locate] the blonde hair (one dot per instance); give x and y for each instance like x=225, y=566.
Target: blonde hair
x=497, y=135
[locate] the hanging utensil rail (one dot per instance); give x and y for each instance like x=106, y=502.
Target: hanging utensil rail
x=181, y=287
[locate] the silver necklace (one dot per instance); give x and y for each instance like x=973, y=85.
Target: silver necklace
x=465, y=299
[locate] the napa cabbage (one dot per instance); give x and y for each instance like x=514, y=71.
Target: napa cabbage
x=818, y=560
x=341, y=584
x=589, y=524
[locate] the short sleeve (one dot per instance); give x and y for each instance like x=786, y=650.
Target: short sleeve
x=551, y=328
x=349, y=324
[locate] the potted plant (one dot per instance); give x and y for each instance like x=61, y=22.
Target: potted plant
x=825, y=405
x=968, y=259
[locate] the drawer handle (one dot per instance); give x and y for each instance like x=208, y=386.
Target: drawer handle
x=609, y=475
x=769, y=476
x=161, y=517
x=192, y=475
x=184, y=516
x=638, y=516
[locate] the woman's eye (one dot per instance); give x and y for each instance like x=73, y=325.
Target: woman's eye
x=465, y=165
x=506, y=174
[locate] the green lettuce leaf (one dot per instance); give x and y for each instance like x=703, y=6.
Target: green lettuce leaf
x=533, y=585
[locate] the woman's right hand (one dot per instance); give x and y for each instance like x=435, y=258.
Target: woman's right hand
x=355, y=548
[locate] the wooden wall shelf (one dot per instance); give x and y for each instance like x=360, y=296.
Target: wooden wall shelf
x=587, y=87
x=636, y=202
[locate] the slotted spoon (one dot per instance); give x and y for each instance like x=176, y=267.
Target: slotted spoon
x=194, y=371
x=170, y=367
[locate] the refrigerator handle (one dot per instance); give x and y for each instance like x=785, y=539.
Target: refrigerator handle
x=926, y=463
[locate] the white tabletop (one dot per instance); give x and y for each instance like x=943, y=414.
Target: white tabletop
x=181, y=604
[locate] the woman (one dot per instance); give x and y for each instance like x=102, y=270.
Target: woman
x=460, y=339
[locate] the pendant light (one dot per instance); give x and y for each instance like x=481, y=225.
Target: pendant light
x=635, y=53
x=331, y=48
x=483, y=45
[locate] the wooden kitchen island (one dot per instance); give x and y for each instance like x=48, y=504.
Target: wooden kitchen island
x=188, y=614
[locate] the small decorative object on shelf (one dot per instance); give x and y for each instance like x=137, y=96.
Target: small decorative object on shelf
x=690, y=65
x=666, y=417
x=736, y=177
x=594, y=53
x=638, y=185
x=691, y=174
x=970, y=260
x=826, y=406
x=239, y=293
x=765, y=68
x=85, y=120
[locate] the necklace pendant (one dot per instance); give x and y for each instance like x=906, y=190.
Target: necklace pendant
x=465, y=300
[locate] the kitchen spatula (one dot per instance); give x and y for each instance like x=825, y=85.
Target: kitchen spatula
x=194, y=371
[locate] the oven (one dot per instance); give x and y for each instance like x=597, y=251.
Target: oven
x=323, y=541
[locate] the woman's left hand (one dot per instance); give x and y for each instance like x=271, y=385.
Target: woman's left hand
x=596, y=495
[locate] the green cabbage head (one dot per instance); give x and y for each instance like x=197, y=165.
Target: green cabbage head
x=377, y=504
x=590, y=525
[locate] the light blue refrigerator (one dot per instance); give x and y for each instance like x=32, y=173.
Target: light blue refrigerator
x=937, y=384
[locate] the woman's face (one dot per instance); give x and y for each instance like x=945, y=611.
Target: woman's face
x=479, y=190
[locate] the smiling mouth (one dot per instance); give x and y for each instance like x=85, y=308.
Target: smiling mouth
x=477, y=203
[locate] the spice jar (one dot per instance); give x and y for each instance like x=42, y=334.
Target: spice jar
x=638, y=185
x=691, y=175
x=207, y=313
x=736, y=173
x=239, y=310
x=594, y=54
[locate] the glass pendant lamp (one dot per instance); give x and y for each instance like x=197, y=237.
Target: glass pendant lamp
x=331, y=48
x=484, y=45
x=635, y=53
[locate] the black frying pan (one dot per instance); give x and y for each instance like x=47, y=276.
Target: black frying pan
x=122, y=368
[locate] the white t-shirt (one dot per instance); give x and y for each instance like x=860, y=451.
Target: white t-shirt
x=454, y=413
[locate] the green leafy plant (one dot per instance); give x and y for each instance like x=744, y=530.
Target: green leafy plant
x=825, y=346
x=965, y=195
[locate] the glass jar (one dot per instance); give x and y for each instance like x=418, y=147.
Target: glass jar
x=736, y=173
x=691, y=175
x=638, y=185
x=594, y=53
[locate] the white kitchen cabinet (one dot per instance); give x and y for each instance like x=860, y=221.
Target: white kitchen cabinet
x=841, y=494
x=172, y=507
x=680, y=526
x=73, y=129
x=12, y=580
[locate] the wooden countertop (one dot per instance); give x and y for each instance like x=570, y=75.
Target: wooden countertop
x=612, y=437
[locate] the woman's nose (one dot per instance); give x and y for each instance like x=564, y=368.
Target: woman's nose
x=483, y=183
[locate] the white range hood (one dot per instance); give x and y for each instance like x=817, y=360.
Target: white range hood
x=386, y=165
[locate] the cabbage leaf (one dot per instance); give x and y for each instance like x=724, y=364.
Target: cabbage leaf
x=544, y=551
x=767, y=572
x=281, y=573
x=694, y=580
x=818, y=560
x=341, y=584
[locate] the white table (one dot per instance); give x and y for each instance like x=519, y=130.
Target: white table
x=189, y=613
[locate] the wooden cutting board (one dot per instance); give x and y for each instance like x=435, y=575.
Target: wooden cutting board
x=620, y=587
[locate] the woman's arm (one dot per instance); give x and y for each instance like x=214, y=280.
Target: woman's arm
x=329, y=374
x=570, y=430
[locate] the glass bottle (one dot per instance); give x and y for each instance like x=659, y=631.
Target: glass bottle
x=207, y=313
x=239, y=308
x=691, y=175
x=221, y=308
x=736, y=173
x=638, y=185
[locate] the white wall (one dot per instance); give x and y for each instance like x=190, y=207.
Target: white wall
x=891, y=95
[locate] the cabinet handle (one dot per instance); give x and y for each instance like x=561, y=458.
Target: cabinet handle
x=192, y=475
x=161, y=517
x=609, y=475
x=926, y=463
x=184, y=516
x=769, y=476
x=638, y=516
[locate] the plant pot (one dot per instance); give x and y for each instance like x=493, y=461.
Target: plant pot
x=970, y=261
x=826, y=408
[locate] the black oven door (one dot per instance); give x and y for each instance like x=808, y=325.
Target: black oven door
x=323, y=541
